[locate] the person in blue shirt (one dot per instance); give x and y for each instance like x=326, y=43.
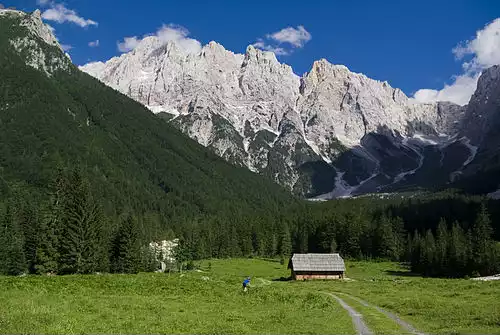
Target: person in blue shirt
x=246, y=283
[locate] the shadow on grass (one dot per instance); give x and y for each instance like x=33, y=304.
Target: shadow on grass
x=272, y=260
x=283, y=279
x=407, y=273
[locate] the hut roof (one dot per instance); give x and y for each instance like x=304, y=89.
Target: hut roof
x=317, y=262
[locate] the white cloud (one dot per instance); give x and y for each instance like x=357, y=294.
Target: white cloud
x=128, y=44
x=485, y=48
x=66, y=47
x=179, y=35
x=260, y=44
x=43, y=2
x=485, y=52
x=94, y=44
x=166, y=33
x=60, y=14
x=458, y=92
x=294, y=36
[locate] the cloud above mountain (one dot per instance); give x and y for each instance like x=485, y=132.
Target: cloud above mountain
x=297, y=37
x=477, y=54
x=284, y=42
x=60, y=14
x=166, y=33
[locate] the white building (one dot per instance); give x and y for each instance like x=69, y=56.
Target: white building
x=163, y=251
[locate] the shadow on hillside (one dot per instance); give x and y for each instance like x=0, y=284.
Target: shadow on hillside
x=367, y=167
x=402, y=273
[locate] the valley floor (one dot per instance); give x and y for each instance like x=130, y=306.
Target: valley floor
x=383, y=296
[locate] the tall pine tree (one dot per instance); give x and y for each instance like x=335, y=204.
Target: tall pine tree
x=442, y=247
x=482, y=243
x=12, y=256
x=81, y=246
x=126, y=248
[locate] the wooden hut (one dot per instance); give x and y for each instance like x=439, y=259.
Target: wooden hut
x=317, y=266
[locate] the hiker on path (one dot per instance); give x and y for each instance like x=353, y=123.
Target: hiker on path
x=246, y=283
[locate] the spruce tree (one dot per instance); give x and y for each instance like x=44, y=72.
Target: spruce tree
x=482, y=242
x=51, y=225
x=428, y=254
x=352, y=231
x=286, y=242
x=12, y=256
x=181, y=254
x=273, y=245
x=408, y=251
x=399, y=233
x=386, y=244
x=81, y=243
x=303, y=240
x=47, y=254
x=457, y=252
x=126, y=249
x=442, y=247
x=246, y=244
x=234, y=245
x=417, y=246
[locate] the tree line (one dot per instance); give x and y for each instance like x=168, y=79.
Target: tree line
x=71, y=233
x=454, y=252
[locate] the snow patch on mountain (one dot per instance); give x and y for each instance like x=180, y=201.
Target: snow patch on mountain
x=473, y=151
x=341, y=190
x=162, y=109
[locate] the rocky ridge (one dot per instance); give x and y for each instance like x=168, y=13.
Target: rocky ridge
x=35, y=46
x=255, y=112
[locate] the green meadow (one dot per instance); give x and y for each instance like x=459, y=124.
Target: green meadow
x=210, y=300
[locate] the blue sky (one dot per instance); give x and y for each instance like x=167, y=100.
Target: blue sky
x=407, y=43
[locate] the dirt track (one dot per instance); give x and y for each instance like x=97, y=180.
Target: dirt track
x=357, y=318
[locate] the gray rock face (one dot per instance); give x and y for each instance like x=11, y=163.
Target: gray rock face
x=331, y=129
x=33, y=46
x=481, y=126
x=483, y=110
x=34, y=23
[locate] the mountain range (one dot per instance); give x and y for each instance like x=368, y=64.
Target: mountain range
x=55, y=117
x=330, y=133
x=327, y=134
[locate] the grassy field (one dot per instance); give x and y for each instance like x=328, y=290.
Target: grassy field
x=212, y=302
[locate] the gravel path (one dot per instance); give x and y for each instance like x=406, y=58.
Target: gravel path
x=357, y=319
x=393, y=316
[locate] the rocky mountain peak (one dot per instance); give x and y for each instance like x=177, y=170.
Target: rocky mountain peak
x=30, y=38
x=258, y=56
x=482, y=110
x=215, y=53
x=488, y=82
x=35, y=24
x=255, y=111
x=215, y=47
x=37, y=15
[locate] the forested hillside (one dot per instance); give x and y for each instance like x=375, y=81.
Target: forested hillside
x=88, y=177
x=63, y=131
